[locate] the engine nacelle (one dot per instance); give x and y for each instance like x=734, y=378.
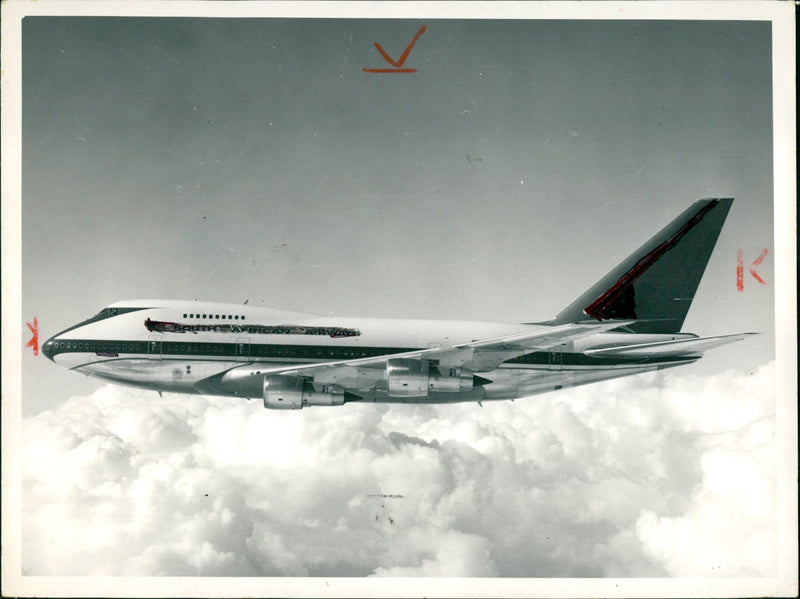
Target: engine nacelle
x=283, y=392
x=407, y=377
x=292, y=393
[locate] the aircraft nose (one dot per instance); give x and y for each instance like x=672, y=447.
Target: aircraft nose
x=49, y=349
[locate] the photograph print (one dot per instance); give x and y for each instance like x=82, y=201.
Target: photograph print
x=458, y=293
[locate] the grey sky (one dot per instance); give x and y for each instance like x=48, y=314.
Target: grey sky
x=228, y=159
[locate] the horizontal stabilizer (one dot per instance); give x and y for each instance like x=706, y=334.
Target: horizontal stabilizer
x=679, y=347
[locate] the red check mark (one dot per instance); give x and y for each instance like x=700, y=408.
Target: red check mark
x=397, y=64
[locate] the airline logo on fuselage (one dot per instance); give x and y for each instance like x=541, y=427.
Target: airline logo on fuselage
x=253, y=329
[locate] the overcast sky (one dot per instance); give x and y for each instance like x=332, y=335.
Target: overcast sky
x=254, y=159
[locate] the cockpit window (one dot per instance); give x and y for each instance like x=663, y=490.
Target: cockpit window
x=102, y=315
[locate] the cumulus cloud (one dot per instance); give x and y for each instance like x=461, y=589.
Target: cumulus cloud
x=654, y=475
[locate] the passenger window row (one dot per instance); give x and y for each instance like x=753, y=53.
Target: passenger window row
x=228, y=349
x=198, y=348
x=99, y=346
x=216, y=316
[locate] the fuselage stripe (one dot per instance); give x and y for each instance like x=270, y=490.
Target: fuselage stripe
x=200, y=350
x=252, y=351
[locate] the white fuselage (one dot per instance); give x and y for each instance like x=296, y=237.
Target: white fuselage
x=215, y=348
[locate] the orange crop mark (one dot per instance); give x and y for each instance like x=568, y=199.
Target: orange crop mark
x=34, y=342
x=397, y=64
x=752, y=269
x=756, y=262
x=740, y=271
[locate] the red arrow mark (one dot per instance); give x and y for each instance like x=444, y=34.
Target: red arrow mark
x=34, y=342
x=753, y=266
x=398, y=64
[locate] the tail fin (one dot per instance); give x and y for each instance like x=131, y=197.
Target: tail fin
x=656, y=284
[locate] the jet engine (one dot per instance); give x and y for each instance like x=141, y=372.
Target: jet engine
x=292, y=393
x=416, y=378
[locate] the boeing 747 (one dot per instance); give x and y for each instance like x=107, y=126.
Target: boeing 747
x=629, y=322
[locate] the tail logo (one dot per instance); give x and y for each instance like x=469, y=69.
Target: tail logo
x=619, y=301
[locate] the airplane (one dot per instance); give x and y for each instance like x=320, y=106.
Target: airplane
x=627, y=323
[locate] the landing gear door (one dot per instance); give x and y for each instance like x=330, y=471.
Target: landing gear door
x=242, y=349
x=154, y=347
x=554, y=358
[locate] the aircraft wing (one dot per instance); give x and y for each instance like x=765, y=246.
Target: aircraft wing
x=479, y=355
x=533, y=340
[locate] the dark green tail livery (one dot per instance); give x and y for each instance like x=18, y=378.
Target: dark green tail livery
x=657, y=283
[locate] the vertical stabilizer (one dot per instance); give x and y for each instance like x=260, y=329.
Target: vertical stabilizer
x=657, y=283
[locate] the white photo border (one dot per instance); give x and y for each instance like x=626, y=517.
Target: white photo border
x=780, y=14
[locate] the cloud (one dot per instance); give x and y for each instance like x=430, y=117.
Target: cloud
x=736, y=502
x=654, y=475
